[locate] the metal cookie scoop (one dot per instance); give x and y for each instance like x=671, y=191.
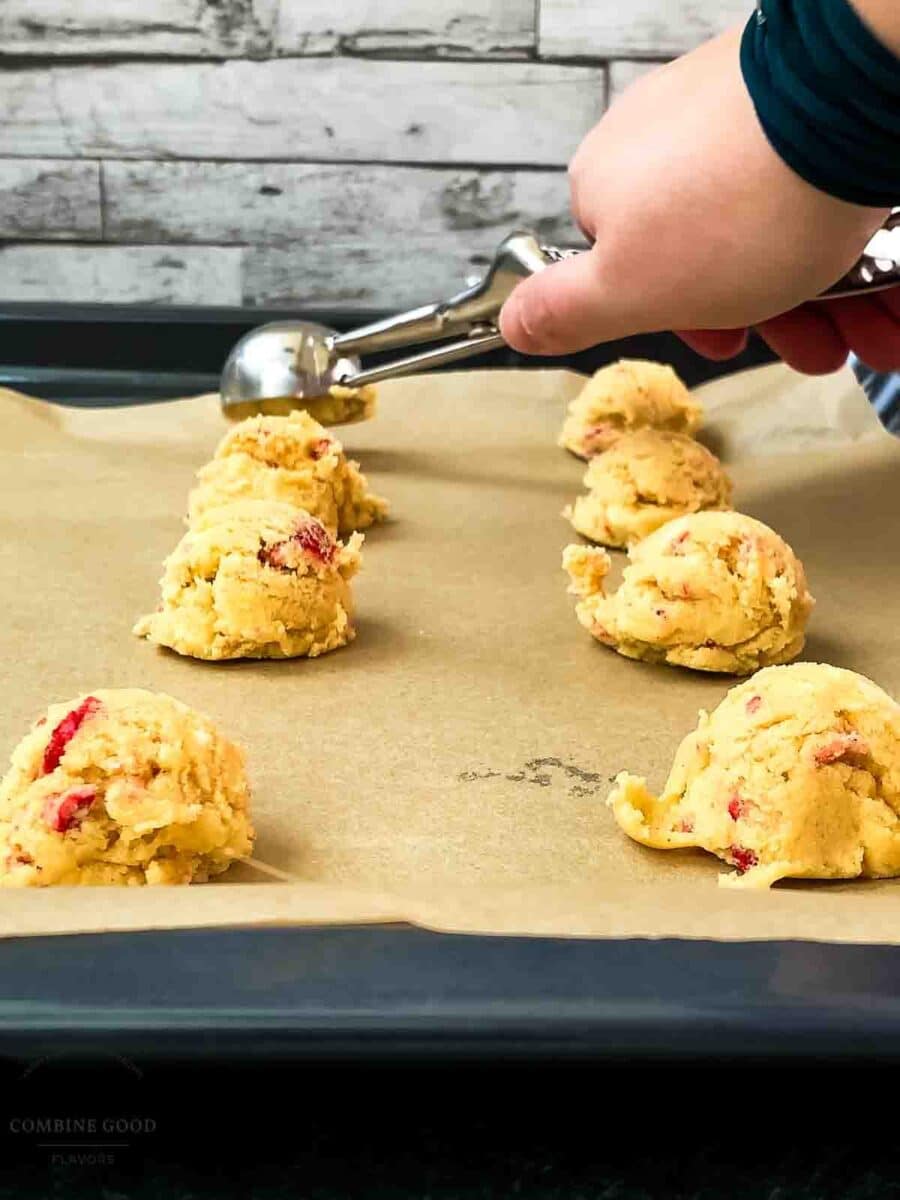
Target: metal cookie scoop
x=274, y=366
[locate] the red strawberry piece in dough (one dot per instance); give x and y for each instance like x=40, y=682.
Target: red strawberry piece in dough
x=65, y=731
x=844, y=745
x=596, y=435
x=675, y=546
x=742, y=858
x=311, y=536
x=685, y=826
x=753, y=705
x=737, y=806
x=315, y=540
x=67, y=811
x=319, y=448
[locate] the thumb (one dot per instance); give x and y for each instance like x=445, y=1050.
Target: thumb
x=567, y=306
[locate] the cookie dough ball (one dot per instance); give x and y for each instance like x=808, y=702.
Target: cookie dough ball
x=716, y=591
x=122, y=787
x=628, y=395
x=645, y=479
x=259, y=580
x=291, y=459
x=795, y=775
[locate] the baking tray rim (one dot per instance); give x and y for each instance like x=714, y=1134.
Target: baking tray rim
x=389, y=992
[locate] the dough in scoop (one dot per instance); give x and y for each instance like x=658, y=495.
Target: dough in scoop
x=291, y=459
x=343, y=405
x=259, y=580
x=124, y=787
x=627, y=395
x=715, y=591
x=795, y=775
x=340, y=406
x=645, y=479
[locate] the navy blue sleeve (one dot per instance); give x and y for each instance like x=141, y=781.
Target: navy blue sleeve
x=827, y=94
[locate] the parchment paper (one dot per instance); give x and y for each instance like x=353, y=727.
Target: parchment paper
x=449, y=768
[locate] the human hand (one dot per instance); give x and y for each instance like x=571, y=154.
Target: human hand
x=697, y=224
x=817, y=338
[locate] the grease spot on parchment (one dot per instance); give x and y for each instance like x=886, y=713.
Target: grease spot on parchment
x=541, y=772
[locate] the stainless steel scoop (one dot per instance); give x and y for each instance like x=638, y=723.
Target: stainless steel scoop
x=299, y=360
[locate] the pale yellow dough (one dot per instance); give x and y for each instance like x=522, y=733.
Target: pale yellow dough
x=645, y=479
x=343, y=405
x=795, y=775
x=291, y=459
x=259, y=580
x=715, y=591
x=628, y=395
x=122, y=787
x=340, y=406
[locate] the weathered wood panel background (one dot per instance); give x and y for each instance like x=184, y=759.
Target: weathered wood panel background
x=276, y=152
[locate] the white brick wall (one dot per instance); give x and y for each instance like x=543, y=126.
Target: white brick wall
x=355, y=153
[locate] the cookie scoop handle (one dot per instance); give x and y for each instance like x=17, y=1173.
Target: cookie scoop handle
x=472, y=314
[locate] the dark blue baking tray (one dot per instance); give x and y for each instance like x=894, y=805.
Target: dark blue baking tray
x=388, y=993
x=393, y=992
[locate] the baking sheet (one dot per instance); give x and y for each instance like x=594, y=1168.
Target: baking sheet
x=450, y=767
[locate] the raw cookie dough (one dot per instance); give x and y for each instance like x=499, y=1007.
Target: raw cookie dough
x=795, y=775
x=259, y=580
x=645, y=479
x=716, y=591
x=341, y=406
x=630, y=394
x=291, y=459
x=122, y=786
